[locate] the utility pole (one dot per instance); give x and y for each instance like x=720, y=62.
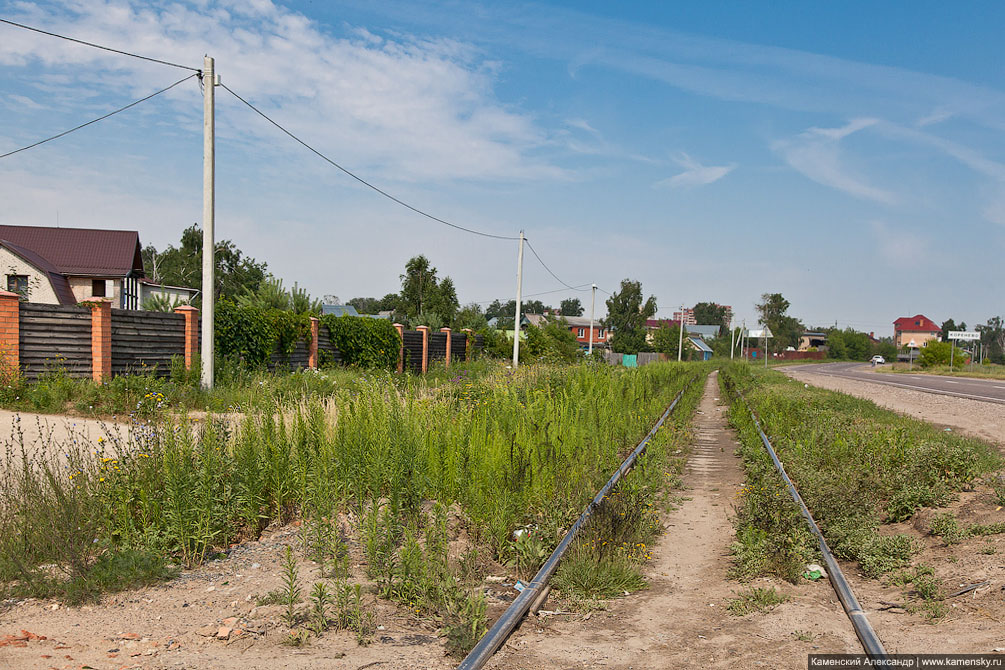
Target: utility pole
x=732, y=337
x=593, y=304
x=209, y=82
x=519, y=297
x=680, y=338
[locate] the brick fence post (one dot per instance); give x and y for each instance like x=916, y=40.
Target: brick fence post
x=101, y=339
x=401, y=347
x=191, y=315
x=447, y=331
x=467, y=343
x=425, y=347
x=312, y=353
x=10, y=332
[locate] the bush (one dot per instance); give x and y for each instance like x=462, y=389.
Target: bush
x=252, y=334
x=368, y=343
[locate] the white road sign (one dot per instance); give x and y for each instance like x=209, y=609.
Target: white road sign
x=964, y=335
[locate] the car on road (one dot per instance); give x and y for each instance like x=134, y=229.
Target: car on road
x=877, y=360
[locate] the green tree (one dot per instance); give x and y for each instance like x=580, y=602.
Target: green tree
x=443, y=300
x=367, y=305
x=626, y=317
x=553, y=342
x=711, y=314
x=785, y=329
x=571, y=307
x=666, y=340
x=236, y=274
x=418, y=285
x=937, y=353
x=471, y=316
x=993, y=337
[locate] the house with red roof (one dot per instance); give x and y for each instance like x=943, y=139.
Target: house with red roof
x=918, y=328
x=64, y=266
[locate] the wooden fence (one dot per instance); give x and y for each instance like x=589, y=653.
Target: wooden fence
x=100, y=342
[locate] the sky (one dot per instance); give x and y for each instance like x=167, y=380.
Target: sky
x=850, y=156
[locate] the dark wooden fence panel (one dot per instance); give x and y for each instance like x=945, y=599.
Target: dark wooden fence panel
x=412, y=341
x=458, y=346
x=479, y=344
x=333, y=355
x=437, y=347
x=54, y=336
x=297, y=359
x=145, y=341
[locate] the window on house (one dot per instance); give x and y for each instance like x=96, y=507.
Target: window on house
x=582, y=332
x=602, y=333
x=18, y=284
x=98, y=288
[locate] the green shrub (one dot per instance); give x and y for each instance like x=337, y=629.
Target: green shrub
x=364, y=342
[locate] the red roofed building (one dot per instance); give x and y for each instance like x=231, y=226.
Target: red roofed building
x=918, y=328
x=64, y=266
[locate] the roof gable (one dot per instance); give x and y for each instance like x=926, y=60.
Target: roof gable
x=60, y=286
x=81, y=251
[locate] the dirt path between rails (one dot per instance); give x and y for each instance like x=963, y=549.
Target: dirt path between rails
x=984, y=420
x=681, y=621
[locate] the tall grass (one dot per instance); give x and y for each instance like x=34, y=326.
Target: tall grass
x=855, y=465
x=508, y=449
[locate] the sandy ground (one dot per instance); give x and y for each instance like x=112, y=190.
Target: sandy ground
x=979, y=419
x=681, y=620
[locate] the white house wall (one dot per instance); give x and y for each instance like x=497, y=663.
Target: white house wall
x=39, y=287
x=83, y=289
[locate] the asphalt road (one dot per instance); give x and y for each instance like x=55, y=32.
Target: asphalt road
x=988, y=390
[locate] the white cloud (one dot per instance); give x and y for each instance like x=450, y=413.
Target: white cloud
x=816, y=153
x=695, y=174
x=412, y=108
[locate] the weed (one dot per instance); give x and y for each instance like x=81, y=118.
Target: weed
x=755, y=599
x=998, y=487
x=987, y=550
x=320, y=603
x=804, y=635
x=291, y=588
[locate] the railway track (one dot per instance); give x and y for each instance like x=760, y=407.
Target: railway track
x=511, y=619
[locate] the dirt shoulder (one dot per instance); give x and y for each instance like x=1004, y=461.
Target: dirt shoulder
x=972, y=417
x=681, y=620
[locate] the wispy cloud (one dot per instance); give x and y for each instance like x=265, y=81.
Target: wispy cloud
x=816, y=153
x=695, y=174
x=412, y=107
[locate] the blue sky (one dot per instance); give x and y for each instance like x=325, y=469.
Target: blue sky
x=850, y=156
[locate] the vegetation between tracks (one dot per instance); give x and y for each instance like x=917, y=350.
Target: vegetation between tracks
x=510, y=450
x=856, y=466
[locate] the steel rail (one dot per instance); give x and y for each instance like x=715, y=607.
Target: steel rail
x=871, y=643
x=515, y=613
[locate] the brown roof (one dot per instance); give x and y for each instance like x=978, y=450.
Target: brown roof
x=81, y=251
x=60, y=286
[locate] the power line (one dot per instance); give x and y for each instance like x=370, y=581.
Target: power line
x=533, y=295
x=534, y=251
x=360, y=179
x=100, y=118
x=99, y=46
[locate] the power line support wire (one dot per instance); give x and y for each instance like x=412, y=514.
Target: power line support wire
x=208, y=215
x=100, y=118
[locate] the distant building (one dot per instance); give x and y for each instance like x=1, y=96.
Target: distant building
x=579, y=326
x=64, y=266
x=809, y=341
x=704, y=349
x=349, y=310
x=918, y=328
x=687, y=316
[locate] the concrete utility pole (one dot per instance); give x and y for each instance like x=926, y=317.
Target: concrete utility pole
x=593, y=304
x=209, y=82
x=732, y=338
x=680, y=337
x=519, y=297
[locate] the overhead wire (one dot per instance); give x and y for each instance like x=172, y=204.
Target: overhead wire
x=545, y=266
x=100, y=118
x=360, y=179
x=99, y=46
x=532, y=295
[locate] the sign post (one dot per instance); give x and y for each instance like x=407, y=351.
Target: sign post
x=966, y=335
x=910, y=354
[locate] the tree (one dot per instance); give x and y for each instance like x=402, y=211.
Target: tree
x=471, y=316
x=711, y=314
x=784, y=328
x=949, y=325
x=938, y=353
x=626, y=317
x=571, y=307
x=236, y=274
x=443, y=300
x=367, y=305
x=993, y=337
x=666, y=340
x=417, y=285
x=553, y=342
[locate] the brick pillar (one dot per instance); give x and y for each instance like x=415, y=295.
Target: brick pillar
x=401, y=347
x=425, y=347
x=312, y=355
x=447, y=331
x=101, y=339
x=467, y=343
x=10, y=331
x=191, y=315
